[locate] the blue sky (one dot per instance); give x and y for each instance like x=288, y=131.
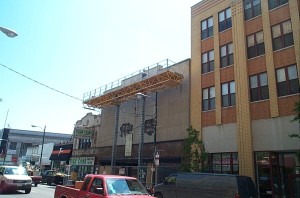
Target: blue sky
x=76, y=46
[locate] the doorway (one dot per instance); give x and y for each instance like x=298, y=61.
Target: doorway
x=278, y=174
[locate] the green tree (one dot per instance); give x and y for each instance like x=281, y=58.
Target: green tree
x=296, y=119
x=194, y=152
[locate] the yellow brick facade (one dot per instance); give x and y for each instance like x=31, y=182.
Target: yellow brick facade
x=244, y=132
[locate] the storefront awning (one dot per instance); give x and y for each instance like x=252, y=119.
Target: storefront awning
x=61, y=152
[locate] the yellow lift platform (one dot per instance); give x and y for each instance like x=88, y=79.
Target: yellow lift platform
x=161, y=78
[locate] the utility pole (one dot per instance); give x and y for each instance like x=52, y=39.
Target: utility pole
x=155, y=125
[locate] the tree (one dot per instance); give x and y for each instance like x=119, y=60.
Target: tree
x=296, y=119
x=194, y=152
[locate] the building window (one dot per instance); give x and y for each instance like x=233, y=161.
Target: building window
x=255, y=44
x=282, y=35
x=287, y=80
x=276, y=3
x=224, y=163
x=226, y=55
x=225, y=19
x=259, y=87
x=208, y=62
x=207, y=28
x=13, y=146
x=208, y=101
x=252, y=9
x=228, y=94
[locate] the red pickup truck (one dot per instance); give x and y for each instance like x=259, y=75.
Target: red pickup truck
x=104, y=186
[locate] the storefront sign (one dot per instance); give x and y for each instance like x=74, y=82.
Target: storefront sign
x=83, y=133
x=82, y=160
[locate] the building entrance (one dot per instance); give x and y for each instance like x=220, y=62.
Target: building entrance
x=278, y=174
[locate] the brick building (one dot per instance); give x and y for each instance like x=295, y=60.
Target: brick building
x=245, y=63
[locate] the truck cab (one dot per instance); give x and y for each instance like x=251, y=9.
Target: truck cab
x=104, y=186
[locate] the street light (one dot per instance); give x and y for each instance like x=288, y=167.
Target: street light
x=8, y=32
x=42, y=145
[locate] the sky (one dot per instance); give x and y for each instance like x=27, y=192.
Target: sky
x=75, y=46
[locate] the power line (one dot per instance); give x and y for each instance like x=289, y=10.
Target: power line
x=40, y=83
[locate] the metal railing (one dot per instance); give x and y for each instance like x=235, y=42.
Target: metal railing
x=129, y=79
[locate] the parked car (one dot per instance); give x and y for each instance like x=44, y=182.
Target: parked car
x=52, y=176
x=36, y=179
x=104, y=186
x=14, y=178
x=194, y=185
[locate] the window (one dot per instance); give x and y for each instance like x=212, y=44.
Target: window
x=226, y=55
x=282, y=35
x=255, y=44
x=259, y=87
x=228, y=94
x=13, y=146
x=208, y=62
x=252, y=9
x=97, y=183
x=276, y=3
x=207, y=28
x=208, y=101
x=86, y=183
x=287, y=80
x=224, y=163
x=225, y=19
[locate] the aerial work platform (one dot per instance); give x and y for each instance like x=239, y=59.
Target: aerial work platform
x=150, y=79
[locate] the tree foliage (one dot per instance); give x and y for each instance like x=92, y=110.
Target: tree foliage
x=194, y=152
x=296, y=119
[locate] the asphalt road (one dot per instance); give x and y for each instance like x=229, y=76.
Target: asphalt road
x=41, y=191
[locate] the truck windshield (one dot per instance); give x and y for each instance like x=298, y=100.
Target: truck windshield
x=117, y=186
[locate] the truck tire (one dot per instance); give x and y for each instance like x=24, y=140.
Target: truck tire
x=35, y=184
x=27, y=191
x=49, y=182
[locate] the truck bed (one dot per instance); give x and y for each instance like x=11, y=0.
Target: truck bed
x=64, y=190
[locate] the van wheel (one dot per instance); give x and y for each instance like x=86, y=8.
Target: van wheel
x=158, y=195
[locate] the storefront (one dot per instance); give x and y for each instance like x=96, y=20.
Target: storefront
x=80, y=166
x=60, y=156
x=278, y=174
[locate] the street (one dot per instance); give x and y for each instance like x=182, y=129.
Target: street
x=44, y=191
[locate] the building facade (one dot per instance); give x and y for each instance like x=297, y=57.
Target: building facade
x=19, y=140
x=84, y=158
x=33, y=154
x=244, y=86
x=155, y=96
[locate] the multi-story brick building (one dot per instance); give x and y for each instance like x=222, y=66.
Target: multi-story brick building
x=245, y=63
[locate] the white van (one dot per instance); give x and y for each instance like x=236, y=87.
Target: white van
x=14, y=178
